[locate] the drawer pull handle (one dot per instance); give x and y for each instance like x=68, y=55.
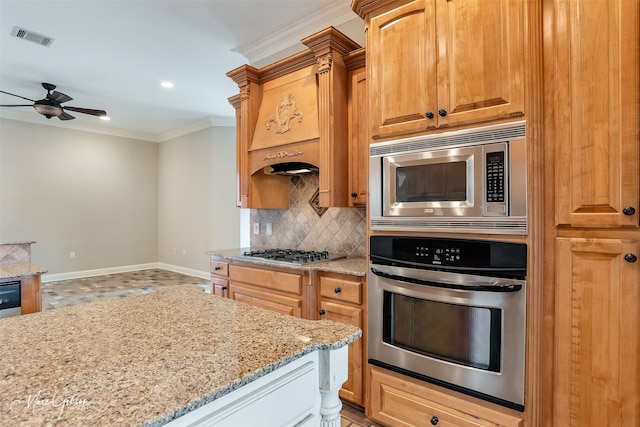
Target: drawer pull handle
x=218, y=268
x=337, y=290
x=434, y=420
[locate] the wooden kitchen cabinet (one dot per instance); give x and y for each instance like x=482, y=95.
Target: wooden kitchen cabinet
x=597, y=334
x=358, y=128
x=342, y=300
x=276, y=290
x=401, y=401
x=219, y=277
x=594, y=106
x=592, y=296
x=438, y=63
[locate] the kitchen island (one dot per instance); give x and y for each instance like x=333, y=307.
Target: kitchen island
x=175, y=356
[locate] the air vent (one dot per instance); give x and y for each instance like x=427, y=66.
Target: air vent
x=32, y=36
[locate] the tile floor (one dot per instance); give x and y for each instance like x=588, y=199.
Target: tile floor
x=70, y=292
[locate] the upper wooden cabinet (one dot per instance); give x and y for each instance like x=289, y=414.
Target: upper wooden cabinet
x=438, y=63
x=294, y=110
x=591, y=52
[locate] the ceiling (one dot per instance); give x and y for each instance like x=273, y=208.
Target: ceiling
x=113, y=55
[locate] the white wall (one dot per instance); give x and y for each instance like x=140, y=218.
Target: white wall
x=117, y=202
x=75, y=191
x=197, y=197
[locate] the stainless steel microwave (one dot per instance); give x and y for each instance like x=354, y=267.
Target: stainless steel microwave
x=467, y=181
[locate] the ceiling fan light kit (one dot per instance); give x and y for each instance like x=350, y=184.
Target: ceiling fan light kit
x=51, y=105
x=47, y=110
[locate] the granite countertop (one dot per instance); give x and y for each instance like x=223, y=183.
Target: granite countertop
x=147, y=359
x=19, y=269
x=356, y=266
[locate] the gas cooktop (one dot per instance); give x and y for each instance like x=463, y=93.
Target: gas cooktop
x=292, y=256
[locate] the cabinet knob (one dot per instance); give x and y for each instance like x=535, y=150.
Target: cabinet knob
x=322, y=312
x=337, y=290
x=629, y=210
x=354, y=194
x=217, y=268
x=442, y=112
x=630, y=258
x=429, y=115
x=434, y=420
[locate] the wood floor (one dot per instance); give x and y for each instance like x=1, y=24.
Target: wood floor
x=121, y=285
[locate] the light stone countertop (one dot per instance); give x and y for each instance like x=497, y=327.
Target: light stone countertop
x=356, y=266
x=19, y=269
x=147, y=359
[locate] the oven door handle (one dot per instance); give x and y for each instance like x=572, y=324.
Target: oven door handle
x=464, y=282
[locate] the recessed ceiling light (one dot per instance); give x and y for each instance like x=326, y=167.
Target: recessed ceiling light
x=105, y=118
x=166, y=84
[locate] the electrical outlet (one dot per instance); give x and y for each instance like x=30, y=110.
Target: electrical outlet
x=269, y=230
x=175, y=251
x=184, y=252
x=72, y=255
x=256, y=228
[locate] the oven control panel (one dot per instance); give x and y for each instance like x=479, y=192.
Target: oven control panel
x=443, y=253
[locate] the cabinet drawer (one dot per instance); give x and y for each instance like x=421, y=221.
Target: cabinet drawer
x=341, y=289
x=269, y=279
x=221, y=268
x=402, y=401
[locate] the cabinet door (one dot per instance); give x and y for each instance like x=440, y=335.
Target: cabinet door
x=401, y=60
x=220, y=286
x=595, y=105
x=480, y=63
x=597, y=334
x=358, y=138
x=352, y=389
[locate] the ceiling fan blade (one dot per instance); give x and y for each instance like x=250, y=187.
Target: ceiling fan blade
x=65, y=116
x=87, y=111
x=59, y=97
x=22, y=105
x=13, y=94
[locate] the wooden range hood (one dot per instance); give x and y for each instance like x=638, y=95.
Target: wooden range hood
x=294, y=110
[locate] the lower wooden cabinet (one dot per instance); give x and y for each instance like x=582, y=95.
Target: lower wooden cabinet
x=401, y=401
x=597, y=333
x=341, y=298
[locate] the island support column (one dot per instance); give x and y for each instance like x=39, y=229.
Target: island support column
x=334, y=371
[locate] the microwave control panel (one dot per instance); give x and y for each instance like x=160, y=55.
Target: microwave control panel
x=495, y=173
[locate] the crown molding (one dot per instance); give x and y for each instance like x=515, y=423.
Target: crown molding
x=331, y=13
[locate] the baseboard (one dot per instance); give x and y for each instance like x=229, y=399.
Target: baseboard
x=123, y=269
x=183, y=270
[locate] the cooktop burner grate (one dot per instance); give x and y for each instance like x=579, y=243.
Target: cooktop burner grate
x=293, y=256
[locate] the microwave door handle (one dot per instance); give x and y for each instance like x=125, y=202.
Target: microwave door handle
x=494, y=285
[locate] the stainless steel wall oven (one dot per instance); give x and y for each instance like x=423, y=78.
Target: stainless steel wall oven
x=451, y=312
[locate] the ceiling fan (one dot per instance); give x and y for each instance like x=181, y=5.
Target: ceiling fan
x=50, y=106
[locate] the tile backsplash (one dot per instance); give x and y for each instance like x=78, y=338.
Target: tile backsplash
x=337, y=230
